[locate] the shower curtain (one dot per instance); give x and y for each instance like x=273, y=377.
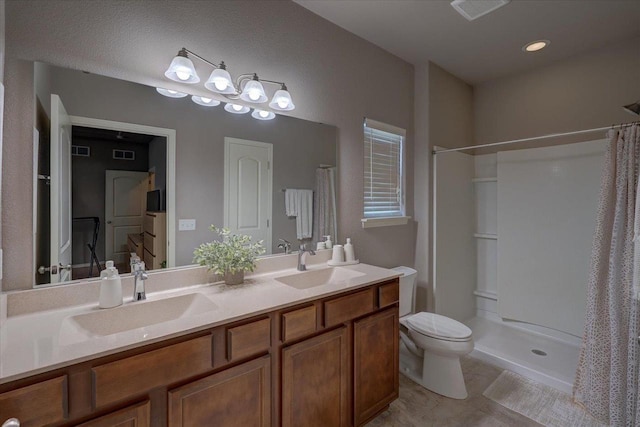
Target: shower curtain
x=607, y=376
x=324, y=218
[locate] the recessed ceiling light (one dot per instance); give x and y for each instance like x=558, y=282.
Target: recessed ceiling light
x=536, y=45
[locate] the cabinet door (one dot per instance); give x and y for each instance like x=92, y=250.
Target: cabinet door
x=315, y=381
x=376, y=370
x=239, y=396
x=133, y=416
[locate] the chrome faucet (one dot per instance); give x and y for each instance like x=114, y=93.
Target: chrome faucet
x=286, y=245
x=139, y=276
x=302, y=255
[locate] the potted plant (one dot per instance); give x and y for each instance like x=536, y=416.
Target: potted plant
x=230, y=256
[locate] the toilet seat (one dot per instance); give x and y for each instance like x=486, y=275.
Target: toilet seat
x=439, y=327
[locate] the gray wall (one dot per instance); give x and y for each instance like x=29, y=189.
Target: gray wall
x=334, y=76
x=583, y=92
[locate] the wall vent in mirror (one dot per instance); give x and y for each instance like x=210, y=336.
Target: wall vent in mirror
x=81, y=151
x=124, y=154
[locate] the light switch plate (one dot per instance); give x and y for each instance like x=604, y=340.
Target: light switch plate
x=186, y=225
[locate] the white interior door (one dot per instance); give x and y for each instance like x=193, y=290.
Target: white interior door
x=60, y=192
x=125, y=206
x=247, y=188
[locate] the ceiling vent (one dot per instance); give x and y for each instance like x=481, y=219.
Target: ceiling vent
x=474, y=9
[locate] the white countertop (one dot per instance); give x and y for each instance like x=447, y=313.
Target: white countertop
x=41, y=341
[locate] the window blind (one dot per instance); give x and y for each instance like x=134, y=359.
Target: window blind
x=383, y=170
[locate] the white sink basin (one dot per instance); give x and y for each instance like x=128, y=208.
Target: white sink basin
x=325, y=276
x=138, y=315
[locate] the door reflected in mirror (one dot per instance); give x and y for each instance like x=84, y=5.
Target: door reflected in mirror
x=123, y=171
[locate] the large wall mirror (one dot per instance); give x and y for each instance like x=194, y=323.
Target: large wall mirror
x=122, y=169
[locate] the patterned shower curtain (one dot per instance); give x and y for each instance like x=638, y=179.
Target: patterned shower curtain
x=324, y=202
x=607, y=376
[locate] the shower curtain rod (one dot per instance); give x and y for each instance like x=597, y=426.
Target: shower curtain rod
x=552, y=135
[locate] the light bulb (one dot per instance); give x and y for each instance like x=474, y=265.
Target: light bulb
x=183, y=75
x=283, y=102
x=254, y=94
x=206, y=100
x=263, y=113
x=236, y=107
x=220, y=84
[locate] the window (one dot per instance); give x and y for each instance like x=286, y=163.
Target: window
x=383, y=175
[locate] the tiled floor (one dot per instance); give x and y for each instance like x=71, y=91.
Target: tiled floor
x=421, y=408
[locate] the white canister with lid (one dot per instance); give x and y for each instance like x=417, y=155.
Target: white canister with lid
x=110, y=287
x=327, y=242
x=338, y=254
x=349, y=253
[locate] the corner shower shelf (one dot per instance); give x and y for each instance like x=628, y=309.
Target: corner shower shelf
x=485, y=236
x=488, y=179
x=486, y=294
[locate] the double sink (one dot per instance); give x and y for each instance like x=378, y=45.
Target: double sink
x=130, y=316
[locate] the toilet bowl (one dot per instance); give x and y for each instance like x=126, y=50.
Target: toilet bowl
x=431, y=344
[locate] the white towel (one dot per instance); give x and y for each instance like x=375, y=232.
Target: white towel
x=299, y=203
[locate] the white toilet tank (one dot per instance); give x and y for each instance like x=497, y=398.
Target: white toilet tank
x=407, y=289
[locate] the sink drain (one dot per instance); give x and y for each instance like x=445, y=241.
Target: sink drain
x=538, y=352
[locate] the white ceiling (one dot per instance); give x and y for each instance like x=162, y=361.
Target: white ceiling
x=489, y=47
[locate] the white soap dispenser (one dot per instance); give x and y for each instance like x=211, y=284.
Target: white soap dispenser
x=110, y=287
x=349, y=253
x=327, y=242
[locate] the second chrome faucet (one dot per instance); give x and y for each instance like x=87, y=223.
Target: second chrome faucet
x=302, y=257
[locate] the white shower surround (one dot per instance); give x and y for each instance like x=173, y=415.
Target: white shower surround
x=505, y=343
x=547, y=204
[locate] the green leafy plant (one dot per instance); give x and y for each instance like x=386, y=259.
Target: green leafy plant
x=231, y=254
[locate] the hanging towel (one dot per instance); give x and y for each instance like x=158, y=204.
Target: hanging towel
x=299, y=203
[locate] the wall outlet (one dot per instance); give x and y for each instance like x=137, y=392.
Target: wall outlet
x=186, y=225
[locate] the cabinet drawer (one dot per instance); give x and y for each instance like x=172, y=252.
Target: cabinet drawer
x=38, y=404
x=248, y=340
x=135, y=375
x=345, y=308
x=149, y=224
x=388, y=294
x=138, y=415
x=298, y=323
x=153, y=244
x=151, y=262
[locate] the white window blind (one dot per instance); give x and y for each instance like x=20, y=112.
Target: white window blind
x=383, y=170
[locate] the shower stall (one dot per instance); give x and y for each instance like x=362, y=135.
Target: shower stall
x=513, y=226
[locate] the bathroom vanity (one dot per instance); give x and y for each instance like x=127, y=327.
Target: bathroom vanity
x=315, y=348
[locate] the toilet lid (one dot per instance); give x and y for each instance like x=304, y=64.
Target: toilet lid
x=437, y=326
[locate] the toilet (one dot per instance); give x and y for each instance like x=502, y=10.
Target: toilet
x=431, y=344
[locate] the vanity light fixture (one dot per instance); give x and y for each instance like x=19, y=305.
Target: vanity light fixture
x=263, y=114
x=535, y=46
x=236, y=108
x=204, y=101
x=182, y=69
x=247, y=87
x=170, y=93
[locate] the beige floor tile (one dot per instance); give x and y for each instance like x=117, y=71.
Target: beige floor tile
x=418, y=407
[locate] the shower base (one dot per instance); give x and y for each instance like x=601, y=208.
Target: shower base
x=543, y=358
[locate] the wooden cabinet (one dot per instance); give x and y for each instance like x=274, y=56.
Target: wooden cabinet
x=39, y=404
x=329, y=362
x=376, y=363
x=133, y=416
x=155, y=240
x=315, y=381
x=238, y=396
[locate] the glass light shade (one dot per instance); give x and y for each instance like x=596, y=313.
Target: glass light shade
x=263, y=115
x=170, y=93
x=182, y=70
x=220, y=82
x=236, y=109
x=253, y=92
x=204, y=101
x=282, y=101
